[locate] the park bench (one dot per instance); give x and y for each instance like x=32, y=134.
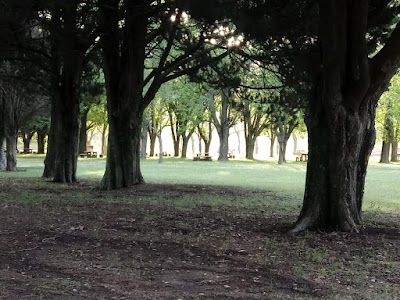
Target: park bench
x=88, y=154
x=27, y=151
x=202, y=156
x=301, y=155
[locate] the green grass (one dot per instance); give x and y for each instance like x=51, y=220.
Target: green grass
x=381, y=190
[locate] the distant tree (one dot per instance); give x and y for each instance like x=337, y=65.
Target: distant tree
x=388, y=121
x=97, y=120
x=224, y=116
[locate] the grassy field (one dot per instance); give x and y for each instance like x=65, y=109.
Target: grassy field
x=381, y=190
x=197, y=230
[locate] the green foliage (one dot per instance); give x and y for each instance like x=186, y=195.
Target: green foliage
x=388, y=111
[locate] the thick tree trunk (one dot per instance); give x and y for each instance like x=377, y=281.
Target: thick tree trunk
x=41, y=142
x=385, y=152
x=123, y=70
x=160, y=146
x=11, y=152
x=394, y=152
x=123, y=157
x=340, y=117
x=67, y=116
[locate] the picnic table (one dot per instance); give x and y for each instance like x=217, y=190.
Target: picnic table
x=88, y=154
x=202, y=156
x=301, y=155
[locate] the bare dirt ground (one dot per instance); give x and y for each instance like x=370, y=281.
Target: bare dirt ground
x=104, y=247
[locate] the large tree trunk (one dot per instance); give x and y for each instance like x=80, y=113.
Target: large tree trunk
x=41, y=142
x=340, y=117
x=123, y=157
x=67, y=134
x=294, y=143
x=123, y=70
x=103, y=140
x=177, y=142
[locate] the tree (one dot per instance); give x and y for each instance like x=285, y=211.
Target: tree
x=341, y=114
x=185, y=104
x=132, y=31
x=346, y=76
x=69, y=27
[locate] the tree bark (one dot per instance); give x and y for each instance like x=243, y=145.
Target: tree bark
x=340, y=116
x=26, y=139
x=282, y=140
x=41, y=142
x=394, y=152
x=294, y=143
x=385, y=152
x=272, y=137
x=250, y=145
x=83, y=132
x=3, y=159
x=11, y=152
x=143, y=144
x=185, y=144
x=123, y=70
x=223, y=128
x=153, y=137
x=51, y=154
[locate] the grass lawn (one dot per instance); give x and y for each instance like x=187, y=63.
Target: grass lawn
x=197, y=230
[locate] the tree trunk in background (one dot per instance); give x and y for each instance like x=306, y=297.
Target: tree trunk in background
x=103, y=140
x=282, y=140
x=153, y=137
x=26, y=139
x=177, y=142
x=272, y=137
x=143, y=144
x=340, y=116
x=223, y=129
x=160, y=145
x=83, y=132
x=294, y=143
x=250, y=144
x=385, y=153
x=41, y=142
x=394, y=152
x=185, y=144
